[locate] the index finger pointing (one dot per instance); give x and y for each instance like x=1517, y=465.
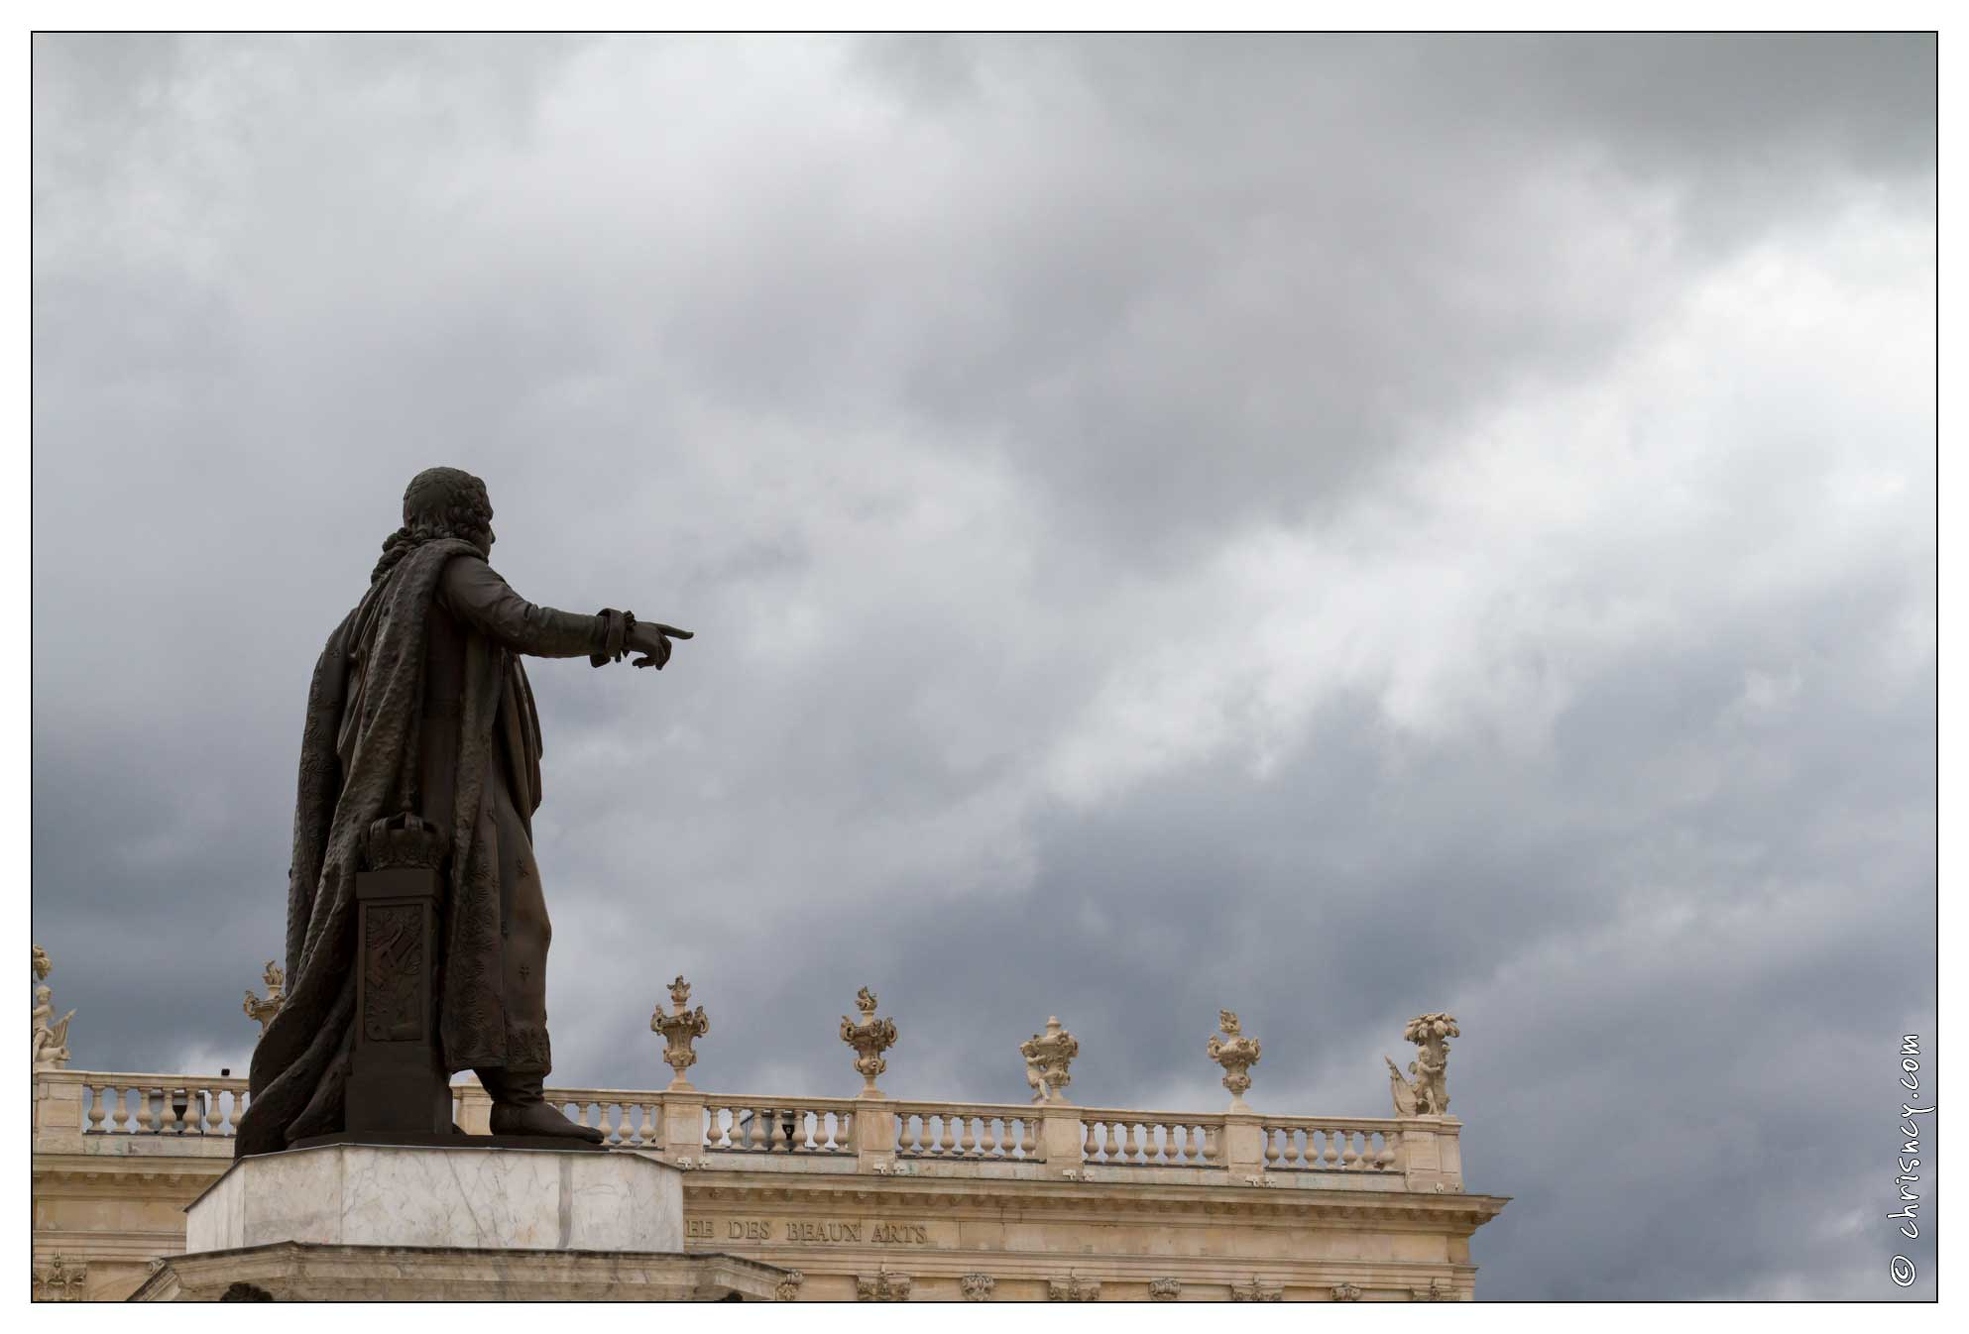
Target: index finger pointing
x=671, y=631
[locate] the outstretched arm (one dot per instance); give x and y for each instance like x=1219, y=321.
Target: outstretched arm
x=474, y=593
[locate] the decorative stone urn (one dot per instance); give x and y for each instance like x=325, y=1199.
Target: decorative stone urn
x=265, y=1009
x=680, y=1028
x=1237, y=1054
x=1047, y=1057
x=870, y=1037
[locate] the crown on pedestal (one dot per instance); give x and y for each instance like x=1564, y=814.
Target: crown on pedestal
x=403, y=840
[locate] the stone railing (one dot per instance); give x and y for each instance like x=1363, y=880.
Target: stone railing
x=88, y=1112
x=165, y=1113
x=946, y=1132
x=1122, y=1138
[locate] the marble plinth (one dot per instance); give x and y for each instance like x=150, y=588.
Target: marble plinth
x=292, y=1272
x=445, y=1198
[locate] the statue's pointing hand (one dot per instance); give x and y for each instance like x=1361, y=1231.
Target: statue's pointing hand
x=652, y=638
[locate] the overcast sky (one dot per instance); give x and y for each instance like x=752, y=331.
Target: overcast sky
x=1332, y=528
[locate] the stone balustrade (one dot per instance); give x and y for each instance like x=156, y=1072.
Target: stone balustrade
x=92, y=1112
x=947, y=1132
x=776, y=1125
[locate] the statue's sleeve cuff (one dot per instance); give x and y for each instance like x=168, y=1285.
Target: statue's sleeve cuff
x=612, y=631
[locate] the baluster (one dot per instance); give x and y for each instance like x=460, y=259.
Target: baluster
x=1213, y=1145
x=1391, y=1151
x=714, y=1127
x=755, y=1132
x=1028, y=1138
x=214, y=1118
x=1272, y=1154
x=1132, y=1147
x=1349, y=1158
x=234, y=1110
x=844, y=1131
x=93, y=1124
x=989, y=1147
x=1089, y=1147
x=967, y=1145
x=948, y=1146
x=1112, y=1149
x=1329, y=1151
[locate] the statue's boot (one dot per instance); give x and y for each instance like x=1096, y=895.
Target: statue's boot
x=519, y=1109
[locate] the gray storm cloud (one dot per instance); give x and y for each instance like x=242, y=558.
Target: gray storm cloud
x=1334, y=528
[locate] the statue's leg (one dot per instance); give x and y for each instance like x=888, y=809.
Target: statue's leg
x=525, y=933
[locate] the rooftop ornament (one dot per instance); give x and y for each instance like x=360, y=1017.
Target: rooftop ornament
x=870, y=1037
x=1237, y=1054
x=1425, y=1094
x=1047, y=1057
x=265, y=1010
x=50, y=1034
x=680, y=1028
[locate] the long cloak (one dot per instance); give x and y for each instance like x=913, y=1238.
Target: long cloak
x=359, y=763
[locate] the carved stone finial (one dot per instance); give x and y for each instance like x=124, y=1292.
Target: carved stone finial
x=1237, y=1054
x=265, y=1010
x=870, y=1037
x=977, y=1287
x=882, y=1287
x=680, y=1028
x=50, y=1035
x=1165, y=1289
x=1047, y=1057
x=1426, y=1094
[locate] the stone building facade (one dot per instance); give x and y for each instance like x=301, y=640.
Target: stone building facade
x=874, y=1198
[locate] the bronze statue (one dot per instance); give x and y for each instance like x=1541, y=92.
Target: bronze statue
x=420, y=710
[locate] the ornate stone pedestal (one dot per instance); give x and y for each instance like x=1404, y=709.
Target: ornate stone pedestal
x=396, y=1223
